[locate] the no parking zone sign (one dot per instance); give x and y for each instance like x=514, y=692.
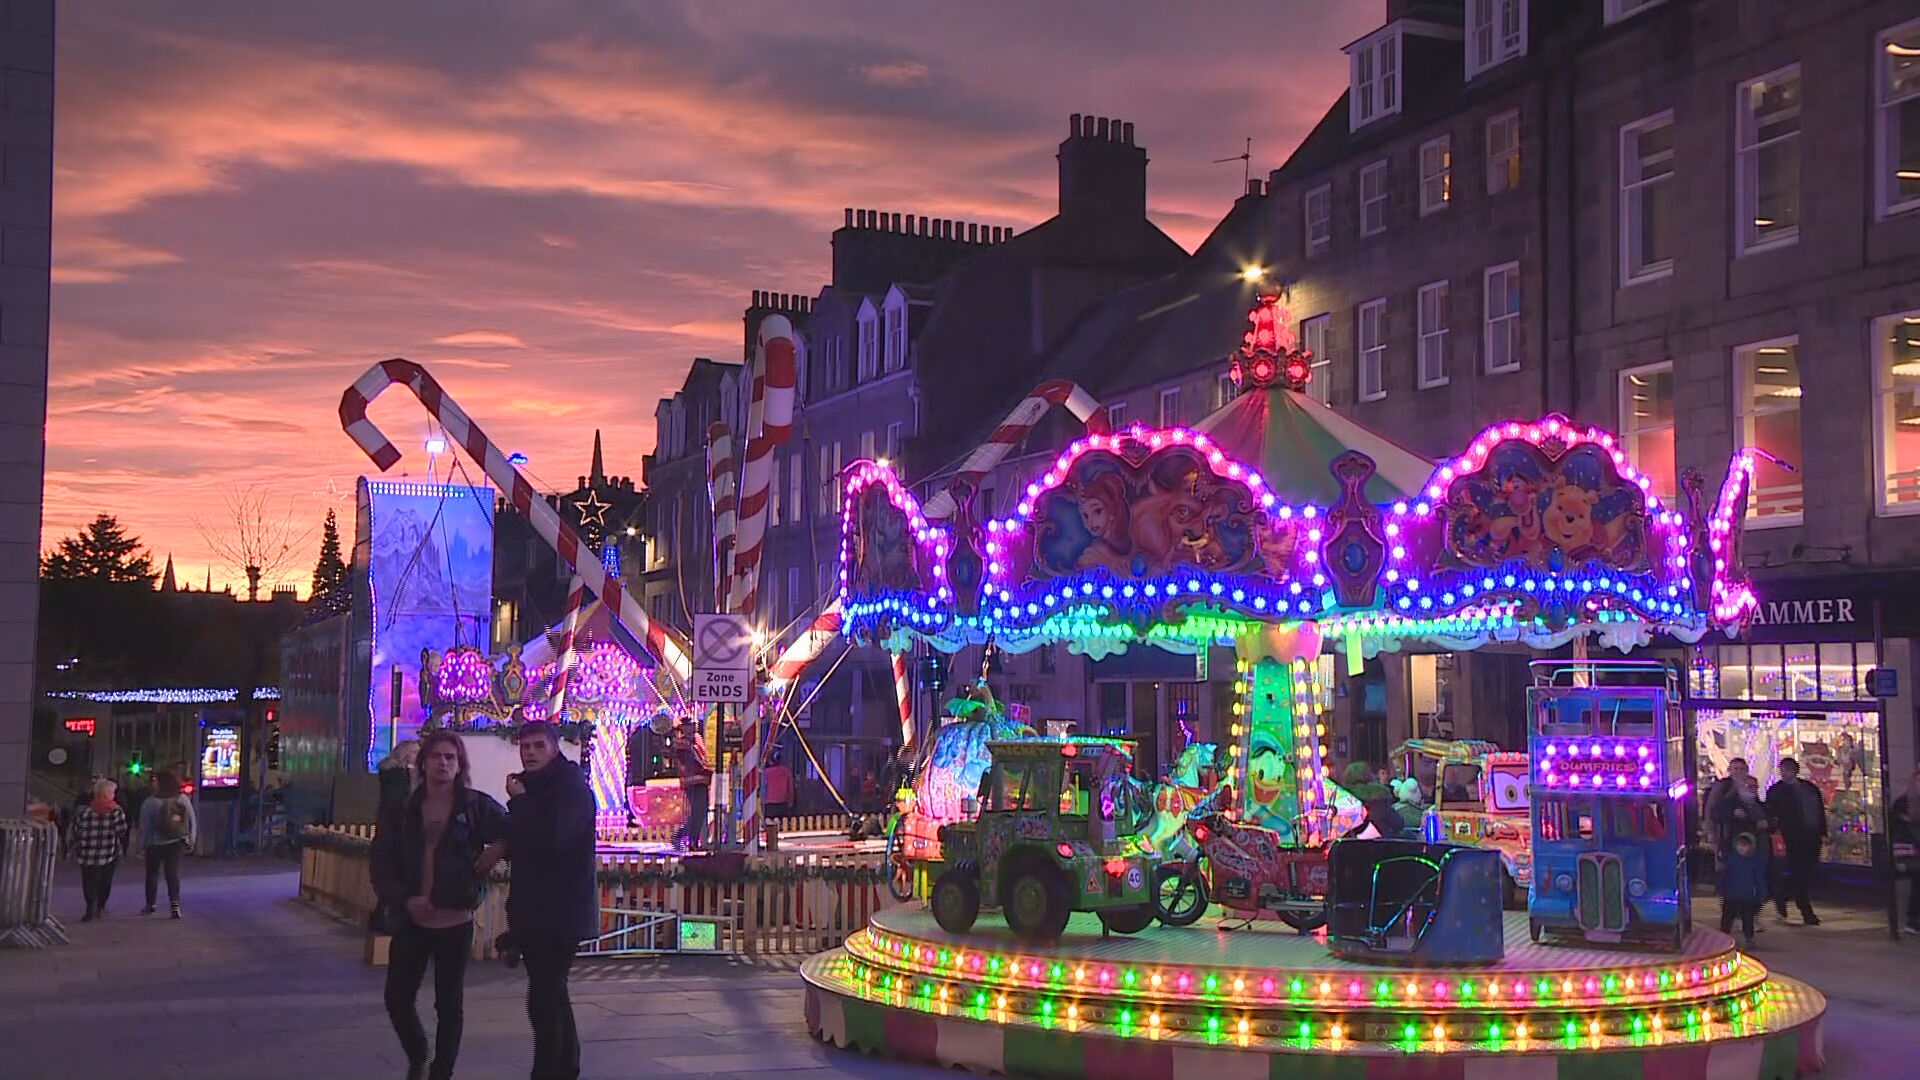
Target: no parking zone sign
x=722, y=659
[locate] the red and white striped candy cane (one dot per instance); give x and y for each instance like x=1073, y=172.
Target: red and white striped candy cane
x=781, y=674
x=903, y=690
x=769, y=423
x=806, y=648
x=659, y=640
x=563, y=656
x=1012, y=430
x=720, y=488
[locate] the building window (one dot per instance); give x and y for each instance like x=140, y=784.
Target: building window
x=1433, y=334
x=869, y=344
x=1374, y=67
x=1117, y=415
x=1319, y=217
x=1896, y=357
x=1313, y=338
x=1373, y=350
x=1496, y=33
x=896, y=434
x=1620, y=9
x=1373, y=199
x=1897, y=57
x=1503, y=152
x=1502, y=331
x=1436, y=174
x=830, y=479
x=896, y=357
x=773, y=493
x=1769, y=381
x=796, y=498
x=836, y=362
x=1646, y=425
x=867, y=442
x=1767, y=161
x=1170, y=407
x=794, y=602
x=1224, y=391
x=1646, y=198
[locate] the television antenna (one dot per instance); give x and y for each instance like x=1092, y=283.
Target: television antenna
x=1245, y=158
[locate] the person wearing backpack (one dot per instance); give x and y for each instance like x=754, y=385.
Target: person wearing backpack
x=430, y=861
x=168, y=828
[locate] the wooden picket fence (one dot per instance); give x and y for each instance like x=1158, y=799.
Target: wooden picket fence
x=788, y=904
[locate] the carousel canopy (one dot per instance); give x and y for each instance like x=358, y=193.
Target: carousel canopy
x=1290, y=437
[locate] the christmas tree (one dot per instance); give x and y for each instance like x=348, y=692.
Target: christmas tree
x=330, y=574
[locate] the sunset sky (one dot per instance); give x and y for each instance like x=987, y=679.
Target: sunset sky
x=553, y=204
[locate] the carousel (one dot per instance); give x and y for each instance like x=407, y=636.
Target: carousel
x=1059, y=921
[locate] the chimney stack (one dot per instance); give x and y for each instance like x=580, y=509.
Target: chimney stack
x=1102, y=172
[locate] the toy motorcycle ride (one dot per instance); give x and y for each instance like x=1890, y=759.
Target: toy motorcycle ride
x=1245, y=868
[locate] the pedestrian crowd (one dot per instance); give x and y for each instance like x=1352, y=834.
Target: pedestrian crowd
x=434, y=851
x=100, y=833
x=1768, y=846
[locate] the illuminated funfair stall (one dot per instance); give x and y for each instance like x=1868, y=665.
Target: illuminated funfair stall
x=1279, y=528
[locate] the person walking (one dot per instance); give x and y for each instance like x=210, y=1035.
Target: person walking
x=1731, y=807
x=396, y=773
x=554, y=902
x=431, y=856
x=169, y=828
x=1800, y=816
x=99, y=836
x=1742, y=884
x=696, y=779
x=1904, y=822
x=779, y=782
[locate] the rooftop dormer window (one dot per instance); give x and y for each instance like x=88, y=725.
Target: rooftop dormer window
x=1496, y=33
x=1374, y=65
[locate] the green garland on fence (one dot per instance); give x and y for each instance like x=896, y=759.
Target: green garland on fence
x=651, y=872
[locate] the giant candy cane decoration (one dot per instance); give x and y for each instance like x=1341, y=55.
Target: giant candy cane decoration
x=769, y=423
x=903, y=693
x=563, y=656
x=720, y=488
x=1015, y=428
x=623, y=605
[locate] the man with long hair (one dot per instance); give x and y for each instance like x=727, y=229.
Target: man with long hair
x=554, y=902
x=431, y=856
x=168, y=829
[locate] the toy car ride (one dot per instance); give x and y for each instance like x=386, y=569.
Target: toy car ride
x=1479, y=799
x=1058, y=831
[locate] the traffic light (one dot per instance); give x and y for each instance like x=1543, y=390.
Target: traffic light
x=136, y=766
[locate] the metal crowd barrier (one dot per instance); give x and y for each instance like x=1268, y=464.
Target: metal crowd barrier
x=27, y=851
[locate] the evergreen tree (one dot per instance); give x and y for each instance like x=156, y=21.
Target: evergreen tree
x=330, y=574
x=102, y=551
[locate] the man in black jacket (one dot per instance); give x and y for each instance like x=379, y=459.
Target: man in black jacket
x=554, y=900
x=1800, y=815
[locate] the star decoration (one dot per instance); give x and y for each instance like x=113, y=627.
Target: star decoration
x=592, y=510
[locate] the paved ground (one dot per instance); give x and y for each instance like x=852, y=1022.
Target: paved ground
x=255, y=984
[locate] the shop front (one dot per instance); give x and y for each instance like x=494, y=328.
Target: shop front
x=1801, y=683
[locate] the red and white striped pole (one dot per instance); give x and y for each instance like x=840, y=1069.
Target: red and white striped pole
x=1014, y=429
x=903, y=690
x=563, y=653
x=720, y=489
x=657, y=638
x=769, y=423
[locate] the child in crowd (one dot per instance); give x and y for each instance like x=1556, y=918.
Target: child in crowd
x=1743, y=885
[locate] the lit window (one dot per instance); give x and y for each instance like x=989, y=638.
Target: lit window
x=1646, y=425
x=1318, y=211
x=1767, y=161
x=1496, y=33
x=1374, y=68
x=1898, y=150
x=1313, y=338
x=1502, y=329
x=1769, y=378
x=1170, y=407
x=1433, y=335
x=1896, y=358
x=1373, y=199
x=1436, y=174
x=1373, y=350
x=1503, y=152
x=1647, y=198
x=1620, y=9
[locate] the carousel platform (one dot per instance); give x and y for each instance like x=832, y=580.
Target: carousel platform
x=1202, y=1002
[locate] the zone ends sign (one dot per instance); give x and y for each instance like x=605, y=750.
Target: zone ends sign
x=722, y=659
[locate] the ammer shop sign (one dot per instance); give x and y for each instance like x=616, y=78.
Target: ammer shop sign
x=1813, y=612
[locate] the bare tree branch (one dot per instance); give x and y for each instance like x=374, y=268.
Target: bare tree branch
x=258, y=537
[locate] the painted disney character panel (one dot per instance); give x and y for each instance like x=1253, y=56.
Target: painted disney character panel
x=1168, y=510
x=884, y=554
x=1550, y=512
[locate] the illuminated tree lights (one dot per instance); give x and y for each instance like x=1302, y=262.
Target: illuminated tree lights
x=166, y=695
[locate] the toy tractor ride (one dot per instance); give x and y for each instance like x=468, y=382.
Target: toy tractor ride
x=1058, y=831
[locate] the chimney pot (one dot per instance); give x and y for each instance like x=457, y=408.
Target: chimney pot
x=860, y=219
x=920, y=227
x=1128, y=135
x=848, y=210
x=896, y=223
x=973, y=232
x=1073, y=125
x=1101, y=126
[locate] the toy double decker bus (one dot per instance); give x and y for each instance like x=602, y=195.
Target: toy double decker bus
x=1609, y=854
